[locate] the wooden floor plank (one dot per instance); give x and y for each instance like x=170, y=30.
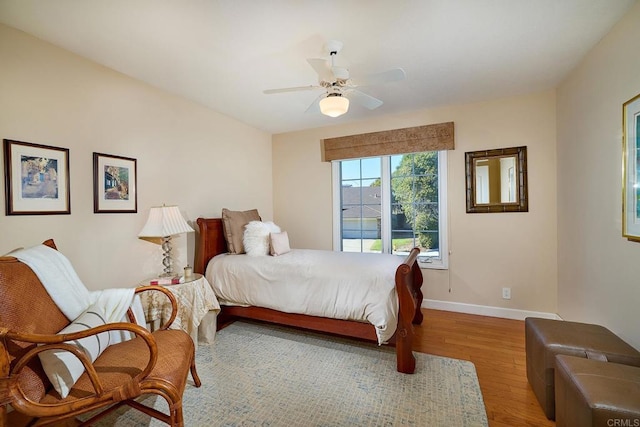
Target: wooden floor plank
x=497, y=349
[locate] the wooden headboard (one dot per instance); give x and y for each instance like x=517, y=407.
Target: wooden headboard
x=210, y=243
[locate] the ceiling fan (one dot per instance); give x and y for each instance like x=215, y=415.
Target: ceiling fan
x=339, y=87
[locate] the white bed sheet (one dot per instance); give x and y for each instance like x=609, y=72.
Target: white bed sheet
x=340, y=285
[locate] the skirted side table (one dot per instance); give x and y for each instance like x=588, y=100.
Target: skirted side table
x=198, y=308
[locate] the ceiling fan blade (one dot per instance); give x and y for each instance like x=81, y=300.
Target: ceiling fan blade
x=323, y=68
x=363, y=99
x=393, y=75
x=314, y=107
x=291, y=89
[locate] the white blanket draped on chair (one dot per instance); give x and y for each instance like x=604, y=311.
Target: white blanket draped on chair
x=71, y=295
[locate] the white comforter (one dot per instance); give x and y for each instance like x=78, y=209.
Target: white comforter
x=341, y=285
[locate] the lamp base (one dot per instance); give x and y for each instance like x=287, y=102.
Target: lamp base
x=166, y=257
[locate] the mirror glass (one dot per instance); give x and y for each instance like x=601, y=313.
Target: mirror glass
x=497, y=180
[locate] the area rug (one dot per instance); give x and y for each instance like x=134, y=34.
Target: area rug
x=264, y=375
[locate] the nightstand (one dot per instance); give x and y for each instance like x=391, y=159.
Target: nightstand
x=198, y=308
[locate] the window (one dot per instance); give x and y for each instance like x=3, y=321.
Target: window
x=391, y=204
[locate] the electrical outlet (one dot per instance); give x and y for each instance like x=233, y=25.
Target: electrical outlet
x=506, y=293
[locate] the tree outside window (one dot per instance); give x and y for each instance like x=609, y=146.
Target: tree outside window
x=414, y=201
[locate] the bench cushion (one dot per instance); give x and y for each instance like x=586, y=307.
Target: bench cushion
x=595, y=393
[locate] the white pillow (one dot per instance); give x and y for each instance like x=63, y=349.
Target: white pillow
x=256, y=237
x=279, y=243
x=63, y=368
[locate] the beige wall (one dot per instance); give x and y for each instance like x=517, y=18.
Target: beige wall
x=598, y=269
x=489, y=251
x=186, y=155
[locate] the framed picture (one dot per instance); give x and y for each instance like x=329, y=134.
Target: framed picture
x=631, y=169
x=114, y=184
x=36, y=179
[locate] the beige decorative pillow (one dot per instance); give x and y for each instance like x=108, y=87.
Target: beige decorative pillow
x=233, y=223
x=279, y=243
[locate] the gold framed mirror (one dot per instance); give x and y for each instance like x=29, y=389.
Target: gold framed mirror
x=497, y=180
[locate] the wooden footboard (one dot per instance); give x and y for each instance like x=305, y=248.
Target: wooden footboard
x=408, y=287
x=408, y=280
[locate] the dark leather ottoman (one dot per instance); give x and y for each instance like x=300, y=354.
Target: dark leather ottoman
x=545, y=338
x=594, y=393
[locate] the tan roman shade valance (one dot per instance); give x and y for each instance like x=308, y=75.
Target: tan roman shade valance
x=398, y=141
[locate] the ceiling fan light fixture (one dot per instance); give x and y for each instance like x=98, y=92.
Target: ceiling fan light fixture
x=334, y=105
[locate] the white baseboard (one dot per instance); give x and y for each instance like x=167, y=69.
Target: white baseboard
x=484, y=310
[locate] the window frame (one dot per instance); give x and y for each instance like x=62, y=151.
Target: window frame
x=441, y=263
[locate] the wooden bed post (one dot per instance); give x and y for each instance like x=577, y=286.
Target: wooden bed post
x=211, y=242
x=408, y=283
x=417, y=292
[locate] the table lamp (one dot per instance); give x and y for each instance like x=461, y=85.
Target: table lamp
x=163, y=223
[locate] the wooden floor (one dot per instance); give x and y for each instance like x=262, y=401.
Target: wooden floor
x=497, y=349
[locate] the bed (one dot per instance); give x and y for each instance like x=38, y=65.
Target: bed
x=407, y=278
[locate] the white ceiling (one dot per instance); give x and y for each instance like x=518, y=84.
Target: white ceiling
x=224, y=53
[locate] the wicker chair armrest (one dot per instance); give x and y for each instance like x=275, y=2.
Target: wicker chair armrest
x=59, y=342
x=59, y=338
x=84, y=359
x=172, y=299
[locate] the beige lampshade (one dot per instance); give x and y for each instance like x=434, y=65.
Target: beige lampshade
x=164, y=221
x=334, y=105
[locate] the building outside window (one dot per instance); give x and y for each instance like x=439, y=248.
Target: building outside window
x=390, y=204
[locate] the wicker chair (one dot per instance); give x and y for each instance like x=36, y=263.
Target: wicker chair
x=152, y=363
